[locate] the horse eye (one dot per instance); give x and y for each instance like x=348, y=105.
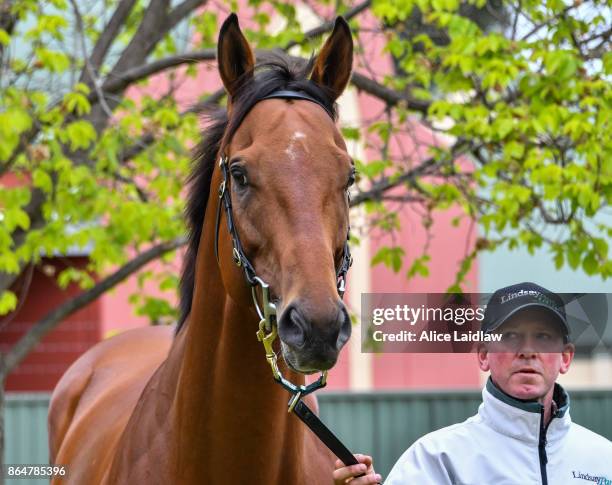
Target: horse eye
x=239, y=176
x=351, y=179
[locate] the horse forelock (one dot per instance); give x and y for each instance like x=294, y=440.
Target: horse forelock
x=271, y=74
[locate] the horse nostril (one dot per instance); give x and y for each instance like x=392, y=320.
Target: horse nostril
x=292, y=328
x=344, y=328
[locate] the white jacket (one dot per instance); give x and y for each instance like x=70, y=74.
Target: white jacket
x=506, y=444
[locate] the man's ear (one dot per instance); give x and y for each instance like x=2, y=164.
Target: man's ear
x=234, y=55
x=567, y=355
x=483, y=357
x=333, y=66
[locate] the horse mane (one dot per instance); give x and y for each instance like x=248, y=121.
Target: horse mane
x=274, y=73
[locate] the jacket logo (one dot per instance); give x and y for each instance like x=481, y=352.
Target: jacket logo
x=591, y=478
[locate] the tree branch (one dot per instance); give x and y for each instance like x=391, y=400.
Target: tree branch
x=329, y=25
x=181, y=11
x=21, y=349
x=379, y=188
x=108, y=36
x=361, y=82
x=548, y=22
x=89, y=69
x=7, y=23
x=131, y=76
x=388, y=95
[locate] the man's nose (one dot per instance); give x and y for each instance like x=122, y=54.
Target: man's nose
x=527, y=347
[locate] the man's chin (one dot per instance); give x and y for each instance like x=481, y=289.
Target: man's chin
x=526, y=387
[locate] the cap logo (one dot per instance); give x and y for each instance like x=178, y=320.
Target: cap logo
x=536, y=294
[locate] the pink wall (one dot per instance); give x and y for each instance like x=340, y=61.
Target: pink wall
x=447, y=246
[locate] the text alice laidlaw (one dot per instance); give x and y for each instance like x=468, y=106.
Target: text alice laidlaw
x=434, y=336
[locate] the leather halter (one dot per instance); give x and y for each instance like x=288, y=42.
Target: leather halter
x=286, y=94
x=267, y=332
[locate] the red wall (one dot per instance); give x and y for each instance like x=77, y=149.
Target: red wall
x=43, y=367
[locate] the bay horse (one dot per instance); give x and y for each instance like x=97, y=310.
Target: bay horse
x=198, y=404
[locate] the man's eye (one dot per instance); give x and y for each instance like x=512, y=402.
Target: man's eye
x=544, y=336
x=510, y=336
x=240, y=177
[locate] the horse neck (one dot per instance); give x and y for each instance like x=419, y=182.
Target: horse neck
x=229, y=416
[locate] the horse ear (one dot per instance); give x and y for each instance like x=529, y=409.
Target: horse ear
x=332, y=68
x=234, y=55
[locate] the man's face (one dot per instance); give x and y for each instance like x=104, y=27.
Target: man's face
x=531, y=354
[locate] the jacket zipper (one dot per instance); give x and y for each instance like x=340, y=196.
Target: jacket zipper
x=542, y=448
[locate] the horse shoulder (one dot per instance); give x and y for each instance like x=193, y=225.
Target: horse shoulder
x=86, y=395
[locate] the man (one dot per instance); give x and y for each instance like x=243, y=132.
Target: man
x=523, y=433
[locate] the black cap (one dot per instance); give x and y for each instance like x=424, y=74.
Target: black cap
x=508, y=301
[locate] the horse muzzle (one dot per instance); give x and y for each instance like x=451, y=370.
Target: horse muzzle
x=311, y=340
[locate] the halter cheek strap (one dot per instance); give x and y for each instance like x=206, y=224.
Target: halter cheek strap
x=238, y=255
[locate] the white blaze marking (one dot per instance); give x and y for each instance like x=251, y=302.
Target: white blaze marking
x=290, y=150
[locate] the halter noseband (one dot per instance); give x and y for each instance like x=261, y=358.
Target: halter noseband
x=267, y=332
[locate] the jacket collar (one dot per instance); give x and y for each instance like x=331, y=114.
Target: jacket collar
x=522, y=419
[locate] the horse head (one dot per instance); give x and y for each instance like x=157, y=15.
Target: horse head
x=287, y=176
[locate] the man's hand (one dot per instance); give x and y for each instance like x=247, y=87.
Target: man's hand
x=346, y=474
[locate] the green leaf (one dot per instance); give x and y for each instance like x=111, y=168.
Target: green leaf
x=514, y=149
x=5, y=38
x=70, y=275
x=573, y=258
x=391, y=257
x=561, y=64
x=77, y=102
x=607, y=62
x=157, y=309
x=80, y=134
x=601, y=247
x=167, y=117
x=16, y=217
x=14, y=121
x=82, y=88
x=503, y=127
x=373, y=168
x=170, y=282
x=419, y=266
x=54, y=61
x=9, y=262
x=589, y=263
x=8, y=302
x=42, y=180
x=351, y=133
